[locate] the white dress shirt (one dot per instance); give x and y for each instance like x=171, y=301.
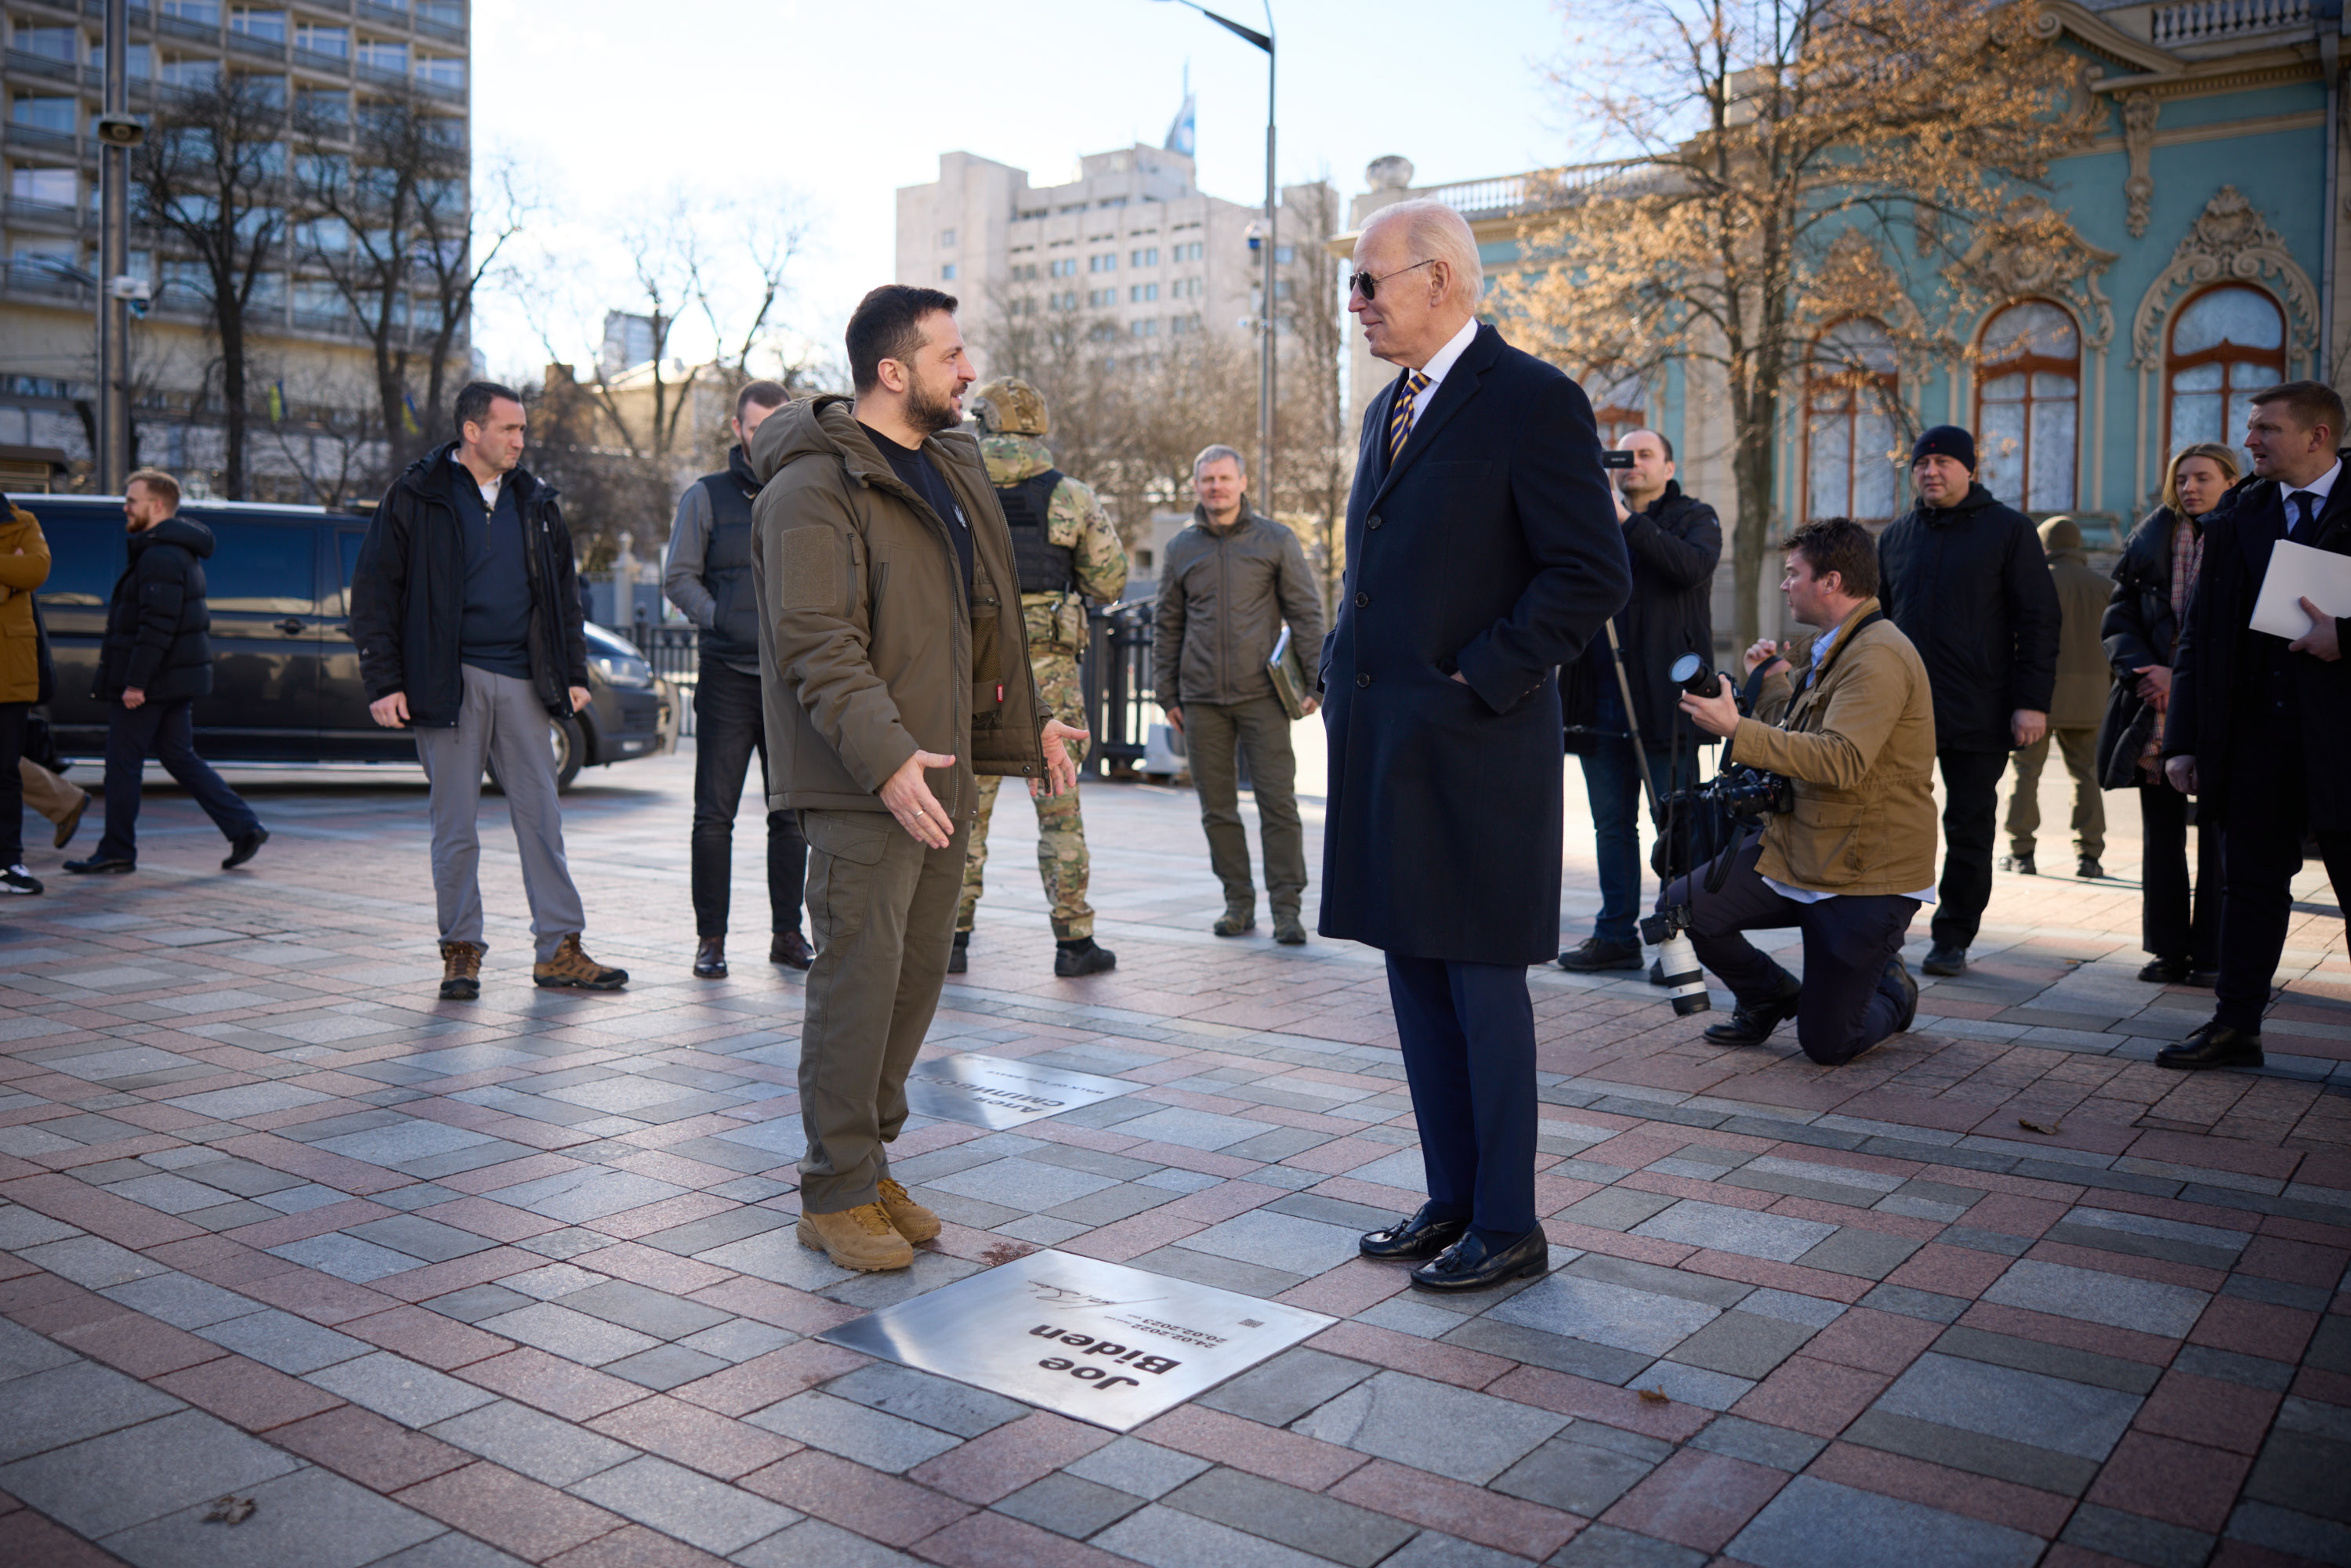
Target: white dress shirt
x=1441, y=362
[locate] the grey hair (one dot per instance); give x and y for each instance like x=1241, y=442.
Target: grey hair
x=1216, y=453
x=1434, y=230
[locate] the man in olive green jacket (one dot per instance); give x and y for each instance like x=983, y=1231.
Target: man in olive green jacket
x=893, y=671
x=2083, y=680
x=1854, y=729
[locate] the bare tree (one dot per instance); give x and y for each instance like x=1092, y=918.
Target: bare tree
x=1311, y=419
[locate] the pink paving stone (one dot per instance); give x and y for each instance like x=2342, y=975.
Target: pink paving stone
x=458, y=1273
x=2179, y=1483
x=1457, y=1364
x=551, y=1383
x=1134, y=1235
x=1615, y=1243
x=2161, y=1270
x=2300, y=1263
x=1774, y=1276
x=322, y=1298
x=314, y=1164
x=1340, y=1156
x=996, y=1464
x=1704, y=1191
x=1198, y=1160
x=1351, y=1288
x=1949, y=1271
x=509, y=1510
x=1567, y=1394
x=2306, y=1230
x=118, y=1220
x=427, y=1337
x=995, y=1541
x=1696, y=1500
x=255, y=1397
x=1872, y=1341
x=635, y=1546
x=763, y=1379
x=1490, y=1519
x=652, y=1267
x=309, y=1222
x=530, y=1167
x=1304, y=1462
x=484, y=1216
x=2072, y=1332
x=771, y=1304
x=1215, y=1204
x=2217, y=1153
x=839, y=1491
x=695, y=1436
x=1372, y=1194
x=138, y=1344
x=219, y=1260
x=2256, y=1328
x=1815, y=1396
x=1843, y=1214
x=1915, y=1480
x=684, y=1209
x=368, y=1448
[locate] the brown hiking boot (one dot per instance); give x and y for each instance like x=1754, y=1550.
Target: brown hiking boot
x=860, y=1237
x=908, y=1218
x=571, y=967
x=461, y=971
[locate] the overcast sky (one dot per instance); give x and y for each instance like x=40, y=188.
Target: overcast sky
x=607, y=105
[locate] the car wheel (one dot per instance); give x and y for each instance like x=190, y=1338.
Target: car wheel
x=568, y=747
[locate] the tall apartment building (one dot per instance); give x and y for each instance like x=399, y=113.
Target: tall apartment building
x=323, y=60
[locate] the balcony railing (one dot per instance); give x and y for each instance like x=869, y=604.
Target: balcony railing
x=24, y=62
x=2205, y=21
x=35, y=138
x=383, y=16
x=33, y=277
x=48, y=215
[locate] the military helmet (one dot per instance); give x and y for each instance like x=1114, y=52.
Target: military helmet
x=1011, y=406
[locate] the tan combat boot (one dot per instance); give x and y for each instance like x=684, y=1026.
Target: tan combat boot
x=572, y=966
x=461, y=971
x=860, y=1237
x=908, y=1218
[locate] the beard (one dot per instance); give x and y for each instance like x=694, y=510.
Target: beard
x=929, y=414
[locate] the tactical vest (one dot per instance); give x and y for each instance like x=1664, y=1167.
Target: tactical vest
x=732, y=635
x=1044, y=568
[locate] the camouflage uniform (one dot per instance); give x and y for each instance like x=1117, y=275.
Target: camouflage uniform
x=1056, y=636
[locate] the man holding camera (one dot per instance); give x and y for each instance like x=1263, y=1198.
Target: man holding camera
x=1674, y=541
x=1851, y=857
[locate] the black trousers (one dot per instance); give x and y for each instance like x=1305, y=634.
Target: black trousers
x=1970, y=817
x=1849, y=1001
x=2178, y=920
x=12, y=783
x=167, y=730
x=729, y=724
x=2260, y=844
x=1468, y=1036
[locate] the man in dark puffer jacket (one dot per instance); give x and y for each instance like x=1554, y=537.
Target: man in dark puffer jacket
x=156, y=660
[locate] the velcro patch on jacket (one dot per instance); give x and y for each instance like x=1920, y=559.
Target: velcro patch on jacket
x=811, y=567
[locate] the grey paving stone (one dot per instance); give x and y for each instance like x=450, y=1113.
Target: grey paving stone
x=395, y=1386
x=1202, y=1130
x=775, y=1256
x=1171, y=1179
x=915, y=1395
x=1225, y=1273
x=1276, y=1145
x=1026, y=1186
x=1649, y=1277
x=2303, y=1471
x=575, y=1336
x=1977, y=1240
x=1573, y=1305
x=1143, y=1469
x=694, y=1508
x=1277, y=1241
x=536, y=1444
x=1606, y=1546
x=1111, y=1205
x=23, y=1352
x=1280, y=1391
x=1431, y=1549
x=92, y=1262
x=421, y=1238
x=1561, y=1352
x=1069, y=1505
x=2056, y=1361
x=1693, y=1385
x=2285, y=1530
x=2020, y=1406
x=2115, y=1299
x=128, y=1477
x=552, y=1281
x=1356, y=1217
x=1322, y=1525
x=1758, y=1444
x=2230, y=1366
x=1923, y=1305
x=248, y=1099
x=409, y=1139
x=738, y=1340
x=577, y=1197
x=1973, y=1452
x=812, y=1542
x=854, y=1432
x=1747, y=1232
x=2135, y=1538
x=166, y=1192
x=886, y=1288
x=1167, y=1538
x=1743, y=1344
x=66, y=1404
x=1866, y=1254
x=1618, y=1207
x=1577, y=1477
x=281, y=1340
x=311, y=1518
x=1813, y=1312
x=450, y=1550
x=1812, y=1521
x=648, y=1311
x=1118, y=1167
x=21, y=1227
x=345, y=1257
x=1431, y=1426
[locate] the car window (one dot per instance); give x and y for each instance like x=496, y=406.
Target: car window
x=86, y=555
x=264, y=568
x=349, y=544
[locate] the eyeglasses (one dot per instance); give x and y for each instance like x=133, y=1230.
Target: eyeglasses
x=1365, y=284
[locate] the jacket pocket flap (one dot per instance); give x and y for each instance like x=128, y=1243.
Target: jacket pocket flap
x=856, y=836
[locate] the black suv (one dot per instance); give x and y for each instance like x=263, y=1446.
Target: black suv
x=286, y=675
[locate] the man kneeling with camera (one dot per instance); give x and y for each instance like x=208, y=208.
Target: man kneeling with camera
x=1847, y=850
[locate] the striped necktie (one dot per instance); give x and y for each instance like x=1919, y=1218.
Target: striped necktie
x=1400, y=417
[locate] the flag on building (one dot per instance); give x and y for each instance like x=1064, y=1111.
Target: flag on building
x=1182, y=136
x=407, y=413
x=277, y=403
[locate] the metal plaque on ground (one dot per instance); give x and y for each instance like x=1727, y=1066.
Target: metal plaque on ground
x=1100, y=1341
x=997, y=1093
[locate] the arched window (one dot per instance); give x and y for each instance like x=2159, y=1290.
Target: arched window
x=1850, y=386
x=1619, y=406
x=2027, y=406
x=2227, y=343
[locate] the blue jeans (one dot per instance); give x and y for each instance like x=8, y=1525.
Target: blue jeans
x=1612, y=782
x=167, y=730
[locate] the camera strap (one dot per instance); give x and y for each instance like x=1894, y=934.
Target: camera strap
x=1813, y=676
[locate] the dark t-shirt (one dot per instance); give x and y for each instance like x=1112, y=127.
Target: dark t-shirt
x=914, y=471
x=493, y=632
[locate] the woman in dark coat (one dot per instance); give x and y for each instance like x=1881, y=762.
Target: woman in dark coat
x=2181, y=927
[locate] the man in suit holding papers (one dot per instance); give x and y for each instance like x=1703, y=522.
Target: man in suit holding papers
x=2260, y=729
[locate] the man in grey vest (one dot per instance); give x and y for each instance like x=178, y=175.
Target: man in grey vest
x=708, y=575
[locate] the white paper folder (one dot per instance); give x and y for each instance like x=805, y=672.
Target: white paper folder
x=2298, y=573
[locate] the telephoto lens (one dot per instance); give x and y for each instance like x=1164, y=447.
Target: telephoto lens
x=1684, y=980
x=1696, y=677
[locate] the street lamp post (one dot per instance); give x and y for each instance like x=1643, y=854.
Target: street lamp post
x=113, y=452
x=1265, y=317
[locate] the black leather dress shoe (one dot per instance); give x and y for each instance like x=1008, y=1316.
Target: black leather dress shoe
x=1752, y=1023
x=791, y=950
x=2214, y=1045
x=1468, y=1265
x=243, y=850
x=1413, y=1240
x=1944, y=959
x=710, y=958
x=97, y=865
x=2164, y=971
x=1907, y=984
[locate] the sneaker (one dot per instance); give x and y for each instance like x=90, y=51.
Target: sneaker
x=959, y=955
x=71, y=822
x=2090, y=869
x=1072, y=959
x=1289, y=931
x=1235, y=922
x=241, y=850
x=1591, y=955
x=461, y=971
x=908, y=1218
x=860, y=1239
x=1946, y=960
x=572, y=966
x=17, y=879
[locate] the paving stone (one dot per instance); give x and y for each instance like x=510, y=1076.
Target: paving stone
x=1143, y=1469
x=575, y=1336
x=1167, y=1538
x=1431, y=1549
x=1280, y=1391
x=2020, y=1406
x=778, y=1257
x=936, y=1402
x=2056, y=1361
x=1679, y=1283
x=1692, y=1384
x=180, y=1300
x=578, y=1196
x=1926, y=1305
x=716, y=1231
x=1021, y=1184
x=411, y=1138
x=2293, y=1534
x=677, y=1501
x=1867, y=1254
x=738, y=1340
x=1321, y=1525
x=1578, y=1477
x=128, y=1477
x=62, y=1405
x=1814, y=1521
x=281, y=1340
x=23, y=1352
x=813, y=1543
x=1742, y=1345
x=646, y=1310
x=476, y=1302
x=2229, y=1366
x=1813, y=1312
x=2115, y=1299
x=1974, y=1452
x=345, y=1257
x=532, y=1443
x=21, y=1227
x=398, y=1389
x=1606, y=1546
x=2135, y=1538
x=1277, y=1241
x=1758, y=1444
x=91, y=1262
x=1068, y=1505
x=1224, y=1273
x=1747, y=1232
x=1594, y=1310
x=1431, y=1426
x=1561, y=1352
x=1617, y=1208
x=421, y=1238
x=450, y=1550
x=854, y=1432
x=311, y=1518
x=1108, y=1206
x=1192, y=1129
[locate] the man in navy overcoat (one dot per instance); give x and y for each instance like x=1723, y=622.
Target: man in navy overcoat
x=1483, y=552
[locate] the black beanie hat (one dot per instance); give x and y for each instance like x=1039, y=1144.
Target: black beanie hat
x=1950, y=441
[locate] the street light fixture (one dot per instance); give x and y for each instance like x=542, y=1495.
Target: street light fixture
x=1264, y=247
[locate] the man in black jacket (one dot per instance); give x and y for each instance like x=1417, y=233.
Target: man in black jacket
x=155, y=661
x=1675, y=542
x=707, y=574
x=1966, y=579
x=2260, y=728
x=465, y=609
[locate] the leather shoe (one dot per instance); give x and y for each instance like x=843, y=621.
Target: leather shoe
x=959, y=955
x=244, y=849
x=710, y=958
x=2214, y=1045
x=1899, y=973
x=1414, y=1240
x=2203, y=980
x=1946, y=960
x=1469, y=1265
x=112, y=865
x=2164, y=971
x=2020, y=865
x=791, y=950
x=1591, y=955
x=2090, y=870
x=1074, y=962
x=1751, y=1023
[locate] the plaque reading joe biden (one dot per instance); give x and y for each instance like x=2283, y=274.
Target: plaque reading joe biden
x=1100, y=1341
x=997, y=1093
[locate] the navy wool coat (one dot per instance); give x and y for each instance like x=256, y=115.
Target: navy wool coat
x=1491, y=547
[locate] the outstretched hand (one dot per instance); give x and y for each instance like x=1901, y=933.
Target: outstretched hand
x=908, y=795
x=1060, y=767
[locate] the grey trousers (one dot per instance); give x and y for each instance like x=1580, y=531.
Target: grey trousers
x=1212, y=734
x=881, y=908
x=502, y=718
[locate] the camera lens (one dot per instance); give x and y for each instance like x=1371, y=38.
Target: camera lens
x=1690, y=672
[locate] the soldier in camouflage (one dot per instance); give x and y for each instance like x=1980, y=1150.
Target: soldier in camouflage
x=1068, y=553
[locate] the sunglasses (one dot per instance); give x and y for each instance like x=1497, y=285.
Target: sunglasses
x=1365, y=284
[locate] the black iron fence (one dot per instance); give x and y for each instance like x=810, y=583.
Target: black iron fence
x=669, y=650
